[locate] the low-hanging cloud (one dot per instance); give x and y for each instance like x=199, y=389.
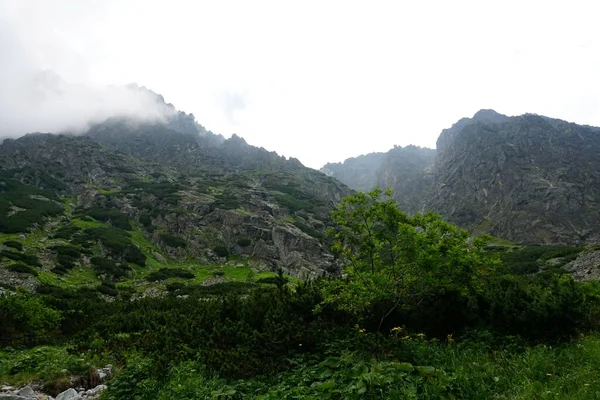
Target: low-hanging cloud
x=34, y=100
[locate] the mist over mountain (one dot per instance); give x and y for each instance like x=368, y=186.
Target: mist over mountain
x=172, y=191
x=527, y=178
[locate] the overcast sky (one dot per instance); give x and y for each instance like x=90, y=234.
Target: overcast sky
x=317, y=80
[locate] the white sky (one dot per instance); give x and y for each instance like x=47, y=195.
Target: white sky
x=317, y=80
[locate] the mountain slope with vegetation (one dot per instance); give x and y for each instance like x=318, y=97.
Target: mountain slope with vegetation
x=127, y=199
x=422, y=311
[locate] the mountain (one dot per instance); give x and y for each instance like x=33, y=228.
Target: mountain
x=128, y=199
x=528, y=179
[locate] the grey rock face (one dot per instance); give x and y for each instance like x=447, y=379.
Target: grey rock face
x=529, y=179
x=69, y=394
x=27, y=392
x=585, y=267
x=223, y=191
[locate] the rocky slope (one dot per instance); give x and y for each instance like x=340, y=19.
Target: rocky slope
x=529, y=179
x=156, y=195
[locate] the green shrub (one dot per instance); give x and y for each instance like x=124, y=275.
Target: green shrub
x=26, y=320
x=106, y=266
x=25, y=258
x=115, y=217
x=66, y=232
x=244, y=242
x=146, y=220
x=108, y=289
x=166, y=273
x=14, y=244
x=28, y=198
x=173, y=241
x=118, y=242
x=221, y=251
x=22, y=268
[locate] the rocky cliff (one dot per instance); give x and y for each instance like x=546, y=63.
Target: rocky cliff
x=157, y=195
x=530, y=178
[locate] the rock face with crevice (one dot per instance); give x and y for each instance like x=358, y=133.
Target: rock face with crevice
x=529, y=179
x=187, y=190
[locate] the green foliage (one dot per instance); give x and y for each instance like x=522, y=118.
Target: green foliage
x=537, y=308
x=146, y=220
x=26, y=320
x=23, y=206
x=25, y=258
x=396, y=262
x=227, y=201
x=292, y=196
x=218, y=289
x=118, y=242
x=221, y=251
x=105, y=266
x=166, y=273
x=51, y=365
x=22, y=268
x=244, y=242
x=13, y=244
x=114, y=217
x=309, y=230
x=108, y=289
x=173, y=241
x=530, y=259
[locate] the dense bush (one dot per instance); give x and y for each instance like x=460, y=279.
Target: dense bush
x=108, y=289
x=529, y=259
x=26, y=320
x=118, y=242
x=105, y=266
x=173, y=241
x=115, y=217
x=227, y=201
x=25, y=258
x=35, y=204
x=221, y=251
x=244, y=242
x=66, y=232
x=14, y=244
x=166, y=273
x=23, y=269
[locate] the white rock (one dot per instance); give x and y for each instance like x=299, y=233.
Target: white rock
x=69, y=394
x=27, y=392
x=95, y=391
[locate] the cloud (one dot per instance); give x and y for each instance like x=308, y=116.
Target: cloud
x=233, y=102
x=35, y=100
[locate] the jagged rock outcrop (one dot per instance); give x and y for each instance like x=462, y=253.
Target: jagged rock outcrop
x=360, y=173
x=529, y=179
x=585, y=267
x=188, y=190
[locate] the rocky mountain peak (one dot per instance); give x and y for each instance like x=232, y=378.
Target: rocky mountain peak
x=528, y=178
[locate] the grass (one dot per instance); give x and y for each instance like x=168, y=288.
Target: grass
x=77, y=277
x=46, y=363
x=85, y=224
x=420, y=368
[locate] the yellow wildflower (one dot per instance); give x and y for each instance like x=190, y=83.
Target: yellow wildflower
x=362, y=330
x=397, y=329
x=586, y=384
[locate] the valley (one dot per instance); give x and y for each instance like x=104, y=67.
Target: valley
x=162, y=261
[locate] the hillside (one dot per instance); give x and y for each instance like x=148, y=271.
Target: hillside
x=528, y=179
x=127, y=200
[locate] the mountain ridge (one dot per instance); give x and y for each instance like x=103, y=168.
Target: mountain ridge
x=528, y=178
